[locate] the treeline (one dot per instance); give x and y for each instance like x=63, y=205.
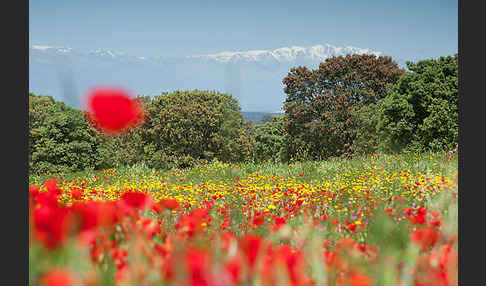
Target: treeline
x=348, y=106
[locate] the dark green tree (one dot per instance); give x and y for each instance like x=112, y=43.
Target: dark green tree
x=268, y=140
x=60, y=140
x=421, y=112
x=366, y=139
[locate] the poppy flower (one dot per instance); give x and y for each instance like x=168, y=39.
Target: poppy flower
x=157, y=208
x=251, y=246
x=88, y=214
x=420, y=217
x=197, y=262
x=351, y=227
x=136, y=199
x=170, y=204
x=425, y=237
x=76, y=193
x=257, y=221
x=279, y=221
x=51, y=186
x=113, y=109
x=233, y=267
x=51, y=224
x=358, y=278
x=57, y=277
x=33, y=190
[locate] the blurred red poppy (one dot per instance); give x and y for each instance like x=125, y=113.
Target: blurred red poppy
x=113, y=109
x=136, y=199
x=57, y=277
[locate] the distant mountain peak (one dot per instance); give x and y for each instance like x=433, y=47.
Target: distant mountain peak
x=109, y=53
x=286, y=54
x=280, y=55
x=59, y=50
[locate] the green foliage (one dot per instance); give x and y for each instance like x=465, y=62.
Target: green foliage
x=60, y=140
x=350, y=105
x=268, y=140
x=421, y=112
x=123, y=150
x=366, y=119
x=320, y=102
x=186, y=127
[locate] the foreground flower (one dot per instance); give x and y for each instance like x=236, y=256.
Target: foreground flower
x=425, y=237
x=57, y=277
x=113, y=110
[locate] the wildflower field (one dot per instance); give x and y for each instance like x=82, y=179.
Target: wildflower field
x=373, y=220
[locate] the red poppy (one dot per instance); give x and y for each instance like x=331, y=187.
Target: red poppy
x=150, y=227
x=345, y=243
x=357, y=278
x=420, y=217
x=76, y=193
x=57, y=277
x=327, y=244
x=279, y=221
x=157, y=208
x=113, y=109
x=436, y=223
x=51, y=186
x=251, y=246
x=33, y=190
x=197, y=262
x=136, y=199
x=258, y=220
x=351, y=227
x=233, y=267
x=425, y=237
x=170, y=204
x=88, y=214
x=51, y=224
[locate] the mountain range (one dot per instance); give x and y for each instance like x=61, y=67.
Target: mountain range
x=253, y=77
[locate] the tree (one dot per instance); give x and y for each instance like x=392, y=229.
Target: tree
x=421, y=112
x=268, y=140
x=320, y=102
x=60, y=140
x=366, y=118
x=188, y=126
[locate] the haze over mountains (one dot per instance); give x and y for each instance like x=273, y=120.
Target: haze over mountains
x=253, y=77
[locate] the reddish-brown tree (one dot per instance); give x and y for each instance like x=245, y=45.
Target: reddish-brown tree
x=319, y=102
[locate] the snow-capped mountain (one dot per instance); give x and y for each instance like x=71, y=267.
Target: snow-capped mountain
x=253, y=77
x=286, y=54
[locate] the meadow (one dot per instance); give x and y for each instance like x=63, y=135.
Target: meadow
x=369, y=220
x=352, y=187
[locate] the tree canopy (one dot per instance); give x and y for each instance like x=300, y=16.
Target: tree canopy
x=319, y=102
x=421, y=111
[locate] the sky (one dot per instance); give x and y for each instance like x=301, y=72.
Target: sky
x=409, y=29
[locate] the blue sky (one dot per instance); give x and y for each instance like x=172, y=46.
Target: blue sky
x=407, y=29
